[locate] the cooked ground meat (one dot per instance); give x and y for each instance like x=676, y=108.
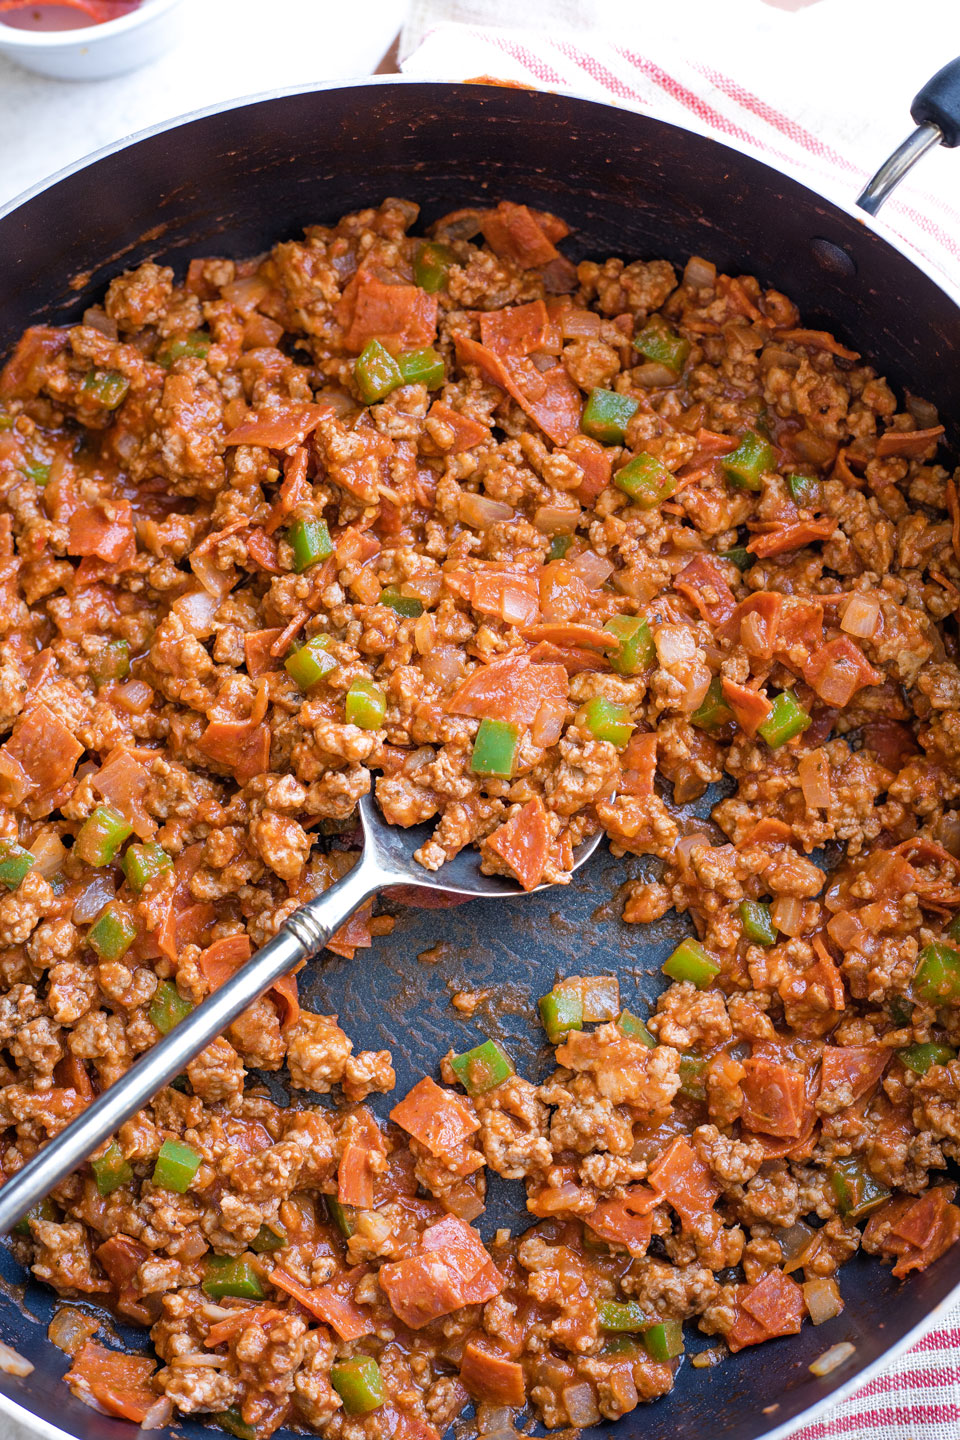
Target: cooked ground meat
x=532, y=550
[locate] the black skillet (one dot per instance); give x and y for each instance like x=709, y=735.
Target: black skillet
x=235, y=180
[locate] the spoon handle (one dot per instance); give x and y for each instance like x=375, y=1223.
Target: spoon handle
x=299, y=939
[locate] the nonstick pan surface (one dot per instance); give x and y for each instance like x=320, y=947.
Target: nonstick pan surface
x=234, y=181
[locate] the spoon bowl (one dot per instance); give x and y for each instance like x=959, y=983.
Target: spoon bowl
x=385, y=860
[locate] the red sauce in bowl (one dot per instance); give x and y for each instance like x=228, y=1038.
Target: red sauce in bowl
x=64, y=15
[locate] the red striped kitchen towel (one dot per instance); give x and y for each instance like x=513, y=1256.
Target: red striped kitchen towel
x=799, y=90
x=823, y=94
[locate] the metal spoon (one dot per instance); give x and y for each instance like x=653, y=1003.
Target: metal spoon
x=386, y=859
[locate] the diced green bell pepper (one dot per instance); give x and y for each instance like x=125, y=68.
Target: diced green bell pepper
x=268, y=1239
x=605, y=720
x=143, y=863
x=646, y=480
x=740, y=556
x=758, y=927
x=495, y=748
x=175, y=1167
x=952, y=931
x=234, y=1424
x=15, y=864
x=431, y=266
x=633, y=1026
x=623, y=1345
x=37, y=472
x=183, y=347
x=230, y=1275
x=101, y=835
x=113, y=662
x=310, y=542
x=111, y=1170
x=406, y=605
x=713, y=710
x=920, y=1058
x=787, y=719
x=168, y=1007
x=359, y=1384
x=658, y=343
x=422, y=367
x=857, y=1193
x=901, y=1010
x=606, y=416
x=112, y=933
x=747, y=464
x=806, y=491
x=376, y=372
x=46, y=1210
x=311, y=662
x=106, y=387
x=664, y=1340
x=559, y=546
x=366, y=705
x=637, y=649
x=937, y=976
x=614, y=1315
x=343, y=1216
x=692, y=1081
x=483, y=1068
x=560, y=1012
x=691, y=962
x=7, y=422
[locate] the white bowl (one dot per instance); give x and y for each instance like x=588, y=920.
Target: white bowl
x=95, y=52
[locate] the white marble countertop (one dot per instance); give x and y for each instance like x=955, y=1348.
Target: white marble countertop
x=227, y=52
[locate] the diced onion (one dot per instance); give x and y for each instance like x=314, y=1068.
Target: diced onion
x=493, y=1419
x=653, y=375
x=559, y=1197
x=705, y=1358
x=158, y=1415
x=601, y=997
x=196, y=610
x=516, y=605
x=339, y=401
x=832, y=1358
x=423, y=755
x=695, y=677
x=793, y=1242
x=12, y=1362
x=580, y=324
x=480, y=512
x=822, y=1296
x=923, y=412
x=581, y=1404
x=753, y=634
x=425, y=634
x=245, y=295
x=674, y=643
x=699, y=273
x=860, y=616
x=49, y=852
x=844, y=929
x=214, y=580
x=557, y=519
x=548, y=723
x=97, y=319
x=92, y=899
x=690, y=842
x=786, y=912
x=70, y=1329
x=135, y=696
x=814, y=772
x=425, y=588
x=463, y=1201
x=443, y=665
x=592, y=568
x=775, y=356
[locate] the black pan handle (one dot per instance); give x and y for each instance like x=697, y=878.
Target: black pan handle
x=938, y=103
x=936, y=110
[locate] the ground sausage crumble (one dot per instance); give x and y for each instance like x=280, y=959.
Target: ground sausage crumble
x=533, y=550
